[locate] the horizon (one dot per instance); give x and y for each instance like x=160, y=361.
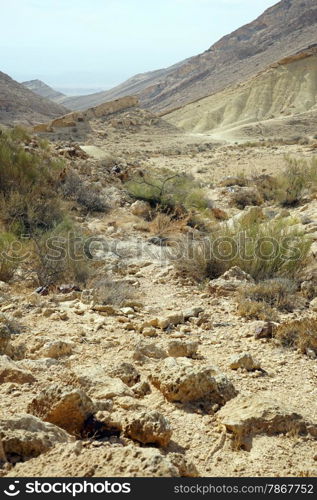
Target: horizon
x=52, y=48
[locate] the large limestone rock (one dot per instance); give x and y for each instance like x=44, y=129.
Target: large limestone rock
x=56, y=349
x=182, y=348
x=170, y=320
x=140, y=208
x=67, y=408
x=74, y=460
x=245, y=361
x=98, y=384
x=11, y=372
x=179, y=379
x=229, y=282
x=104, y=109
x=247, y=416
x=149, y=428
x=26, y=436
x=127, y=373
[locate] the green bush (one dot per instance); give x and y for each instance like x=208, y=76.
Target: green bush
x=265, y=250
x=169, y=191
x=28, y=185
x=59, y=255
x=300, y=175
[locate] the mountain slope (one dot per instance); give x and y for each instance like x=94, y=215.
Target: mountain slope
x=282, y=30
x=20, y=105
x=40, y=88
x=274, y=97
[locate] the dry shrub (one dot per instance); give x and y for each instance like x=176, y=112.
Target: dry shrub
x=8, y=263
x=252, y=309
x=265, y=250
x=57, y=256
x=278, y=293
x=300, y=333
x=109, y=292
x=299, y=176
x=167, y=225
x=83, y=193
x=245, y=196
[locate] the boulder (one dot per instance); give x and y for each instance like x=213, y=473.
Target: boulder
x=247, y=416
x=140, y=208
x=244, y=361
x=98, y=384
x=69, y=408
x=25, y=436
x=182, y=348
x=149, y=427
x=170, y=320
x=11, y=372
x=127, y=373
x=180, y=380
x=74, y=460
x=229, y=282
x=56, y=349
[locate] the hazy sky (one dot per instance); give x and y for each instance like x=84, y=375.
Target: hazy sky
x=100, y=43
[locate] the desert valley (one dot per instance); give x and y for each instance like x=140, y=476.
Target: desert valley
x=158, y=273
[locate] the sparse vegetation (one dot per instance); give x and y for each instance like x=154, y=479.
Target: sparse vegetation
x=261, y=300
x=171, y=192
x=7, y=261
x=110, y=292
x=300, y=333
x=87, y=196
x=265, y=250
x=299, y=177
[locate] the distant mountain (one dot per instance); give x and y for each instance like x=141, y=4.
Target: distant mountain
x=40, y=88
x=20, y=105
x=278, y=102
x=282, y=30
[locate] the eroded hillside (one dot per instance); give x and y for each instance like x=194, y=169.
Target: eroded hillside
x=274, y=99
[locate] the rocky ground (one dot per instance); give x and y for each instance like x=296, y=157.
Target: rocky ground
x=170, y=382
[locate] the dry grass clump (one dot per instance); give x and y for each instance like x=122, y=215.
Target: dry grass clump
x=264, y=250
x=251, y=309
x=263, y=299
x=246, y=197
x=110, y=292
x=298, y=180
x=300, y=333
x=165, y=225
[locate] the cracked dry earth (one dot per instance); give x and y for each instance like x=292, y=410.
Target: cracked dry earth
x=157, y=387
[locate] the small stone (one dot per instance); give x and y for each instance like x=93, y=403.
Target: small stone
x=245, y=361
x=170, y=320
x=149, y=428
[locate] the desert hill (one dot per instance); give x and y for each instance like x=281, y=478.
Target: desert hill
x=19, y=105
x=283, y=96
x=282, y=30
x=44, y=90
